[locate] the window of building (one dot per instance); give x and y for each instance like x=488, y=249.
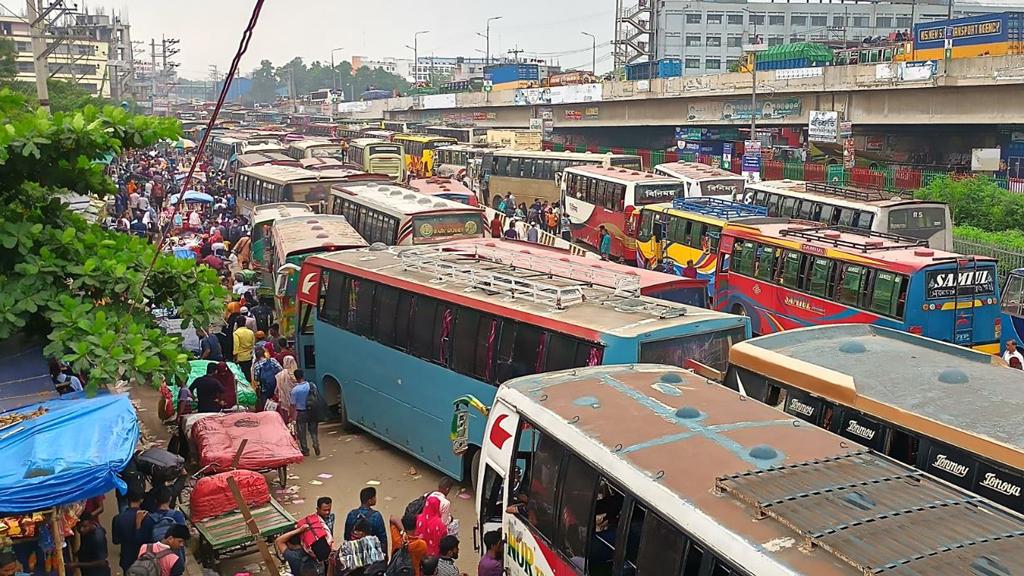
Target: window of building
x=734, y=18
x=819, y=20
x=862, y=21
x=693, y=18
x=839, y=21
x=776, y=19
x=715, y=18
x=712, y=64
x=884, y=22
x=693, y=39
x=732, y=63
x=798, y=20
x=734, y=41
x=714, y=41
x=757, y=19
x=776, y=40
x=904, y=22
x=693, y=63
x=797, y=38
x=25, y=67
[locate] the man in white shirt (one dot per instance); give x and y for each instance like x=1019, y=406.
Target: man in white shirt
x=1011, y=353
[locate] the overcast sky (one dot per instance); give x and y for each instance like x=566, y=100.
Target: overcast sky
x=210, y=29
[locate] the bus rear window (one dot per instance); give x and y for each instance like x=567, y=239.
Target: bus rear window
x=917, y=222
x=709, y=348
x=632, y=163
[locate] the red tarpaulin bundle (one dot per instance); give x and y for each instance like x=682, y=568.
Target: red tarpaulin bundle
x=211, y=497
x=269, y=445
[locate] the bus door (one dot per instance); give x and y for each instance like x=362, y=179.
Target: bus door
x=307, y=298
x=494, y=494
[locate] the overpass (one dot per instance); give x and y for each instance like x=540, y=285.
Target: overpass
x=978, y=91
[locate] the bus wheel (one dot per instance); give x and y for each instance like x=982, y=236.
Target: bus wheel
x=472, y=462
x=739, y=310
x=336, y=400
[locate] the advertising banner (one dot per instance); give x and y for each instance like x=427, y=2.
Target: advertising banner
x=773, y=108
x=823, y=126
x=574, y=94
x=436, y=101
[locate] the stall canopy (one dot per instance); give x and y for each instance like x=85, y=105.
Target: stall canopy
x=71, y=452
x=193, y=196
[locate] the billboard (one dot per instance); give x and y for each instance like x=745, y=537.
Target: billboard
x=574, y=94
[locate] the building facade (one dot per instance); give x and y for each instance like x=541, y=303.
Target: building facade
x=397, y=66
x=708, y=35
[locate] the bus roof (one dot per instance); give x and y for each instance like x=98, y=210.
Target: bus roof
x=440, y=185
x=320, y=164
x=621, y=175
x=561, y=300
x=696, y=171
x=364, y=142
x=313, y=232
x=257, y=158
x=269, y=212
x=424, y=138
x=768, y=491
x=560, y=155
x=314, y=143
x=847, y=196
x=871, y=248
x=956, y=395
x=397, y=200
x=287, y=174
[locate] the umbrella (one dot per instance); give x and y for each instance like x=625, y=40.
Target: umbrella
x=184, y=144
x=194, y=196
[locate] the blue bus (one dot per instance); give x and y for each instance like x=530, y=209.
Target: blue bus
x=1011, y=322
x=396, y=335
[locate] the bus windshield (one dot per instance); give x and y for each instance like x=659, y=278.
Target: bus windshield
x=657, y=193
x=708, y=348
x=326, y=151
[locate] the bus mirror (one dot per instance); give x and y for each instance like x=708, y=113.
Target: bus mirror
x=284, y=273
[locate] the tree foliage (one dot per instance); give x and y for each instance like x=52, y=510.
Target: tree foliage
x=978, y=202
x=78, y=284
x=8, y=60
x=268, y=80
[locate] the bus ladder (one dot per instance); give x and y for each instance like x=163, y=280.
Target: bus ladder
x=450, y=265
x=964, y=263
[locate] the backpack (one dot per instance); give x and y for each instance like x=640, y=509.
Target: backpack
x=162, y=522
x=415, y=508
x=148, y=564
x=262, y=314
x=268, y=377
x=315, y=407
x=401, y=563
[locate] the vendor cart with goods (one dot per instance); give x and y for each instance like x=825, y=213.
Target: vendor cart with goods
x=259, y=442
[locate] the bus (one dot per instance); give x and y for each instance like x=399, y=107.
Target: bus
x=321, y=164
x=1012, y=310
x=396, y=216
x=951, y=412
x=313, y=148
x=789, y=275
x=446, y=188
x=651, y=470
x=322, y=129
x=385, y=135
x=398, y=127
x=704, y=180
x=596, y=196
x=224, y=150
x=532, y=174
x=398, y=334
x=875, y=210
x=463, y=162
x=671, y=235
x=419, y=152
x=378, y=157
x=690, y=291
x=462, y=134
x=295, y=239
x=270, y=184
x=260, y=223
x=261, y=158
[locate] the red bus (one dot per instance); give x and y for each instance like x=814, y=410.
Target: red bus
x=595, y=196
x=447, y=188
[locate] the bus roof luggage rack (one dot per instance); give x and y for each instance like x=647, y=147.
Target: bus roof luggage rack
x=718, y=208
x=883, y=517
x=862, y=194
x=873, y=241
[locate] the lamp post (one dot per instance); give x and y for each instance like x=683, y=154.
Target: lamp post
x=489, y=20
x=334, y=72
x=416, y=54
x=593, y=53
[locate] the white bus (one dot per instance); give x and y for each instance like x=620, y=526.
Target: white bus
x=313, y=148
x=874, y=210
x=396, y=216
x=704, y=180
x=650, y=470
x=596, y=196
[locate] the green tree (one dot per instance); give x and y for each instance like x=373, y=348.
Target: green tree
x=81, y=286
x=979, y=202
x=8, y=60
x=264, y=83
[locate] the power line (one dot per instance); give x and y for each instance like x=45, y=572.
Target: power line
x=15, y=14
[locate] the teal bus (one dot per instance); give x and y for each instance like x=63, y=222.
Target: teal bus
x=397, y=334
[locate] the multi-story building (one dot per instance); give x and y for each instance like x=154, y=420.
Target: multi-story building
x=461, y=68
x=91, y=50
x=708, y=35
x=398, y=66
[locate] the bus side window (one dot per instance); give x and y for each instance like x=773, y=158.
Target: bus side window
x=821, y=271
x=634, y=530
x=646, y=226
x=765, y=266
x=789, y=274
x=696, y=235
x=662, y=548
x=1012, y=295
x=541, y=487
x=850, y=279
x=579, y=486
x=773, y=204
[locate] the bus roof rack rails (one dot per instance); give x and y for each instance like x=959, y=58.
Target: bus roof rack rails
x=718, y=208
x=873, y=241
x=853, y=193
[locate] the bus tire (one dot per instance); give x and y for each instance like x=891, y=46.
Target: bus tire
x=332, y=391
x=739, y=310
x=472, y=460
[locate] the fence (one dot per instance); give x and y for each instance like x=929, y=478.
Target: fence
x=1006, y=259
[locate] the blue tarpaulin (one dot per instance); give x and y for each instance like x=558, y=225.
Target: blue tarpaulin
x=72, y=452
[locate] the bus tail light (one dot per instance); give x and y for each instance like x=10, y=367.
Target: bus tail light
x=999, y=328
x=916, y=330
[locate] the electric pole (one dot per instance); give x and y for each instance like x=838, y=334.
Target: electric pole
x=515, y=52
x=38, y=57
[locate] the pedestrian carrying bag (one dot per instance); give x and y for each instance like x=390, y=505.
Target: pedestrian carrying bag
x=148, y=564
x=162, y=522
x=415, y=508
x=401, y=563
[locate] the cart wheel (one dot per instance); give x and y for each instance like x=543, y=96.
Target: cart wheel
x=207, y=555
x=282, y=476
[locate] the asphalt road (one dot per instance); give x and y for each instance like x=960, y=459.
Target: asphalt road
x=352, y=459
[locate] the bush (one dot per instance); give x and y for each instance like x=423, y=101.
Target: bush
x=1011, y=240
x=977, y=202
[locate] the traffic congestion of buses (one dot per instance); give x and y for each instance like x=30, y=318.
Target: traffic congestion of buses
x=836, y=369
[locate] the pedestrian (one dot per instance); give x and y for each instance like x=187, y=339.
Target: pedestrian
x=209, y=346
x=289, y=548
x=264, y=373
x=407, y=548
x=551, y=219
x=9, y=565
x=91, y=558
x=449, y=554
x=690, y=271
x=521, y=211
x=323, y=510
x=366, y=513
x=243, y=250
x=1012, y=353
x=263, y=316
x=228, y=386
x=511, y=233
x=533, y=233
x=126, y=529
x=492, y=563
x=243, y=341
x=565, y=227
x=207, y=390
x=496, y=226
x=156, y=525
x=283, y=349
x=305, y=420
x=430, y=526
x=605, y=244
x=285, y=383
x=167, y=554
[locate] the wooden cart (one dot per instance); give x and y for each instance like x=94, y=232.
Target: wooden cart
x=227, y=535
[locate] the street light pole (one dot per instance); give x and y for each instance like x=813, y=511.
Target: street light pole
x=489, y=20
x=593, y=53
x=334, y=72
x=416, y=54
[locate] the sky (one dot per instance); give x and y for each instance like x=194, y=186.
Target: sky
x=210, y=30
